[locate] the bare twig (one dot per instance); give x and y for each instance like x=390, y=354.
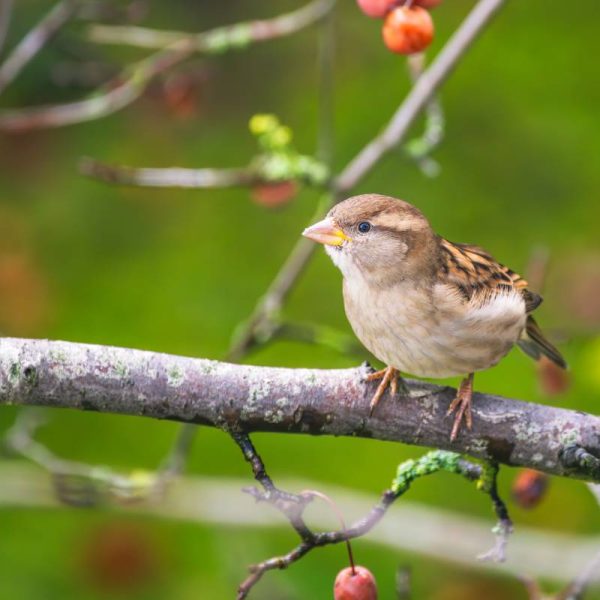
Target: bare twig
x=80, y=484
x=131, y=83
x=216, y=40
x=262, y=324
x=578, y=587
x=35, y=40
x=408, y=472
x=117, y=94
x=167, y=178
x=504, y=527
x=314, y=401
x=420, y=94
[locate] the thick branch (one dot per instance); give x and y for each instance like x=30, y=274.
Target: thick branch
x=314, y=401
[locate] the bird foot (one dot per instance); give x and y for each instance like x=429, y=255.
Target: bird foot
x=462, y=405
x=390, y=377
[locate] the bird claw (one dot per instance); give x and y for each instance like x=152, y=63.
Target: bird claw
x=462, y=405
x=390, y=377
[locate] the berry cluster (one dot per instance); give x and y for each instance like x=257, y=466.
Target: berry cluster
x=408, y=27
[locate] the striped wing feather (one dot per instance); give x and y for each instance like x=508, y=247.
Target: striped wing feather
x=478, y=277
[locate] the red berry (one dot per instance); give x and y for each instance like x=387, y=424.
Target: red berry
x=274, y=194
x=376, y=8
x=427, y=3
x=408, y=30
x=355, y=585
x=529, y=488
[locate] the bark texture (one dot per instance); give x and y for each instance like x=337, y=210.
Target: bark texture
x=311, y=401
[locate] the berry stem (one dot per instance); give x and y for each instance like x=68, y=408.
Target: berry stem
x=339, y=515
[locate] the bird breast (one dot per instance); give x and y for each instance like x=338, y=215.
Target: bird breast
x=432, y=331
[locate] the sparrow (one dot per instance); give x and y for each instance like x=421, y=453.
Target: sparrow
x=423, y=305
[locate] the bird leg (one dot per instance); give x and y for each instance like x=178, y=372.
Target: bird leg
x=462, y=405
x=390, y=377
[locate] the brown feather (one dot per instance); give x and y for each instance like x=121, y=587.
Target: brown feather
x=479, y=277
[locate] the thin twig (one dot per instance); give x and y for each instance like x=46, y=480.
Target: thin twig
x=420, y=94
x=167, y=178
x=578, y=587
x=133, y=81
x=216, y=40
x=262, y=324
x=408, y=472
x=35, y=40
x=504, y=527
x=111, y=97
x=80, y=484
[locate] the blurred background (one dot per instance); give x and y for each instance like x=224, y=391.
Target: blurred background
x=178, y=270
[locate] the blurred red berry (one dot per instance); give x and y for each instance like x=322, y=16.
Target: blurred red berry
x=427, y=3
x=376, y=8
x=355, y=584
x=120, y=558
x=407, y=30
x=553, y=380
x=274, y=194
x=181, y=94
x=529, y=488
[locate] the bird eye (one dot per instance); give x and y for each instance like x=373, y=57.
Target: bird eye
x=364, y=226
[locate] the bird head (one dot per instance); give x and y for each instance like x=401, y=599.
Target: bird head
x=377, y=238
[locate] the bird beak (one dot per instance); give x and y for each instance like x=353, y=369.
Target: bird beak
x=325, y=232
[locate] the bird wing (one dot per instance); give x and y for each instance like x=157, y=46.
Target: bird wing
x=479, y=278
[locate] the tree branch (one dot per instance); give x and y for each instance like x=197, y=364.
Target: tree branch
x=420, y=95
x=131, y=83
x=175, y=177
x=216, y=40
x=35, y=40
x=318, y=402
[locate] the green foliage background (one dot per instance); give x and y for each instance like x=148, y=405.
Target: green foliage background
x=176, y=271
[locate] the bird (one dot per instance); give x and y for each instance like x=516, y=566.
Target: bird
x=424, y=305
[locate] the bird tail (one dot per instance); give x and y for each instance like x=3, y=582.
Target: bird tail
x=534, y=344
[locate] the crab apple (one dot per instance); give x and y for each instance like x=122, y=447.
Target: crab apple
x=529, y=488
x=355, y=583
x=376, y=8
x=427, y=3
x=407, y=30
